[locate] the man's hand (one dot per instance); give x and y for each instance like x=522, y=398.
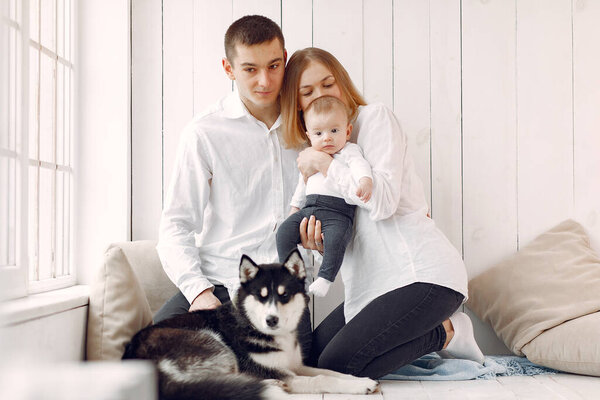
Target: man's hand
x=205, y=301
x=365, y=188
x=310, y=234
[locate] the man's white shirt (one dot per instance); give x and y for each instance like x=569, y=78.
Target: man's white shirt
x=231, y=187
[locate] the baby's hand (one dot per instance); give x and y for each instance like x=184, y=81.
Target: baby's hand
x=320, y=287
x=365, y=188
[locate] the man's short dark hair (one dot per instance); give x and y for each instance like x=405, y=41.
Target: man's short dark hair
x=251, y=30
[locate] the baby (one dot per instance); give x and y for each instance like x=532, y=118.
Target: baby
x=328, y=128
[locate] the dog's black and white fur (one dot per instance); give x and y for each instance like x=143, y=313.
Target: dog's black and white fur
x=246, y=349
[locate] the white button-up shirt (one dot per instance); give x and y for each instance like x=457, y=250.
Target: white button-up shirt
x=231, y=188
x=395, y=243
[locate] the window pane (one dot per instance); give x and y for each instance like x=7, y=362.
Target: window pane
x=12, y=13
x=5, y=84
x=61, y=231
x=46, y=134
x=7, y=211
x=14, y=74
x=60, y=114
x=32, y=231
x=68, y=29
x=48, y=24
x=45, y=227
x=34, y=20
x=66, y=244
x=60, y=27
x=4, y=210
x=68, y=115
x=34, y=59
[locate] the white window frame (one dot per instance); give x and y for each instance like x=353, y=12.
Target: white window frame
x=15, y=279
x=36, y=44
x=13, y=275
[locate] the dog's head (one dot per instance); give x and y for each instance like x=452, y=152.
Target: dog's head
x=272, y=296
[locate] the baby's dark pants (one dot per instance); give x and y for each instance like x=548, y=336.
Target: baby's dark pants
x=336, y=218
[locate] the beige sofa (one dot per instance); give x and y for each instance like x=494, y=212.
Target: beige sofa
x=542, y=301
x=130, y=286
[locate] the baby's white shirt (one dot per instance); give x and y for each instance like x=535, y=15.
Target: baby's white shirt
x=351, y=155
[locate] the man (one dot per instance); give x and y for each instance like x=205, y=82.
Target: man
x=232, y=181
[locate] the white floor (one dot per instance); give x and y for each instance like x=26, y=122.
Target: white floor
x=558, y=386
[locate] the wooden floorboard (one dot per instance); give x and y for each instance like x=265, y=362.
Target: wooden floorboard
x=539, y=387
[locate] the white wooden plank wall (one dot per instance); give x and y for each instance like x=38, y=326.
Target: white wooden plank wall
x=499, y=100
x=489, y=139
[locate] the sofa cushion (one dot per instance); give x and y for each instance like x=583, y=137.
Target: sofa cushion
x=553, y=279
x=130, y=275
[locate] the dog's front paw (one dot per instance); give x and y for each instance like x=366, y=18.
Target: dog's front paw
x=371, y=386
x=362, y=386
x=277, y=383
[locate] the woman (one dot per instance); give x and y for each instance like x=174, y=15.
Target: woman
x=403, y=279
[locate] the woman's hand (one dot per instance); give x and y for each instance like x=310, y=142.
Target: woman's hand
x=311, y=161
x=310, y=234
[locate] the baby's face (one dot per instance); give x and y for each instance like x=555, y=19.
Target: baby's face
x=328, y=132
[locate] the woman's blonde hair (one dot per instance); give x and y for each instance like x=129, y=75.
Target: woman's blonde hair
x=294, y=132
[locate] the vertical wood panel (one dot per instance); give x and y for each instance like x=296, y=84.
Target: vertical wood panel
x=211, y=21
x=146, y=118
x=268, y=8
x=337, y=28
x=377, y=52
x=296, y=23
x=489, y=143
x=412, y=82
x=178, y=81
x=586, y=79
x=545, y=121
x=446, y=141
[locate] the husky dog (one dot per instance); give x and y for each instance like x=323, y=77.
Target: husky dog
x=245, y=349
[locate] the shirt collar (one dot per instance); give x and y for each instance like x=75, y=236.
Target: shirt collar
x=234, y=108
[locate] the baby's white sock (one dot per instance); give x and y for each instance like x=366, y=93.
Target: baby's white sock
x=319, y=287
x=463, y=344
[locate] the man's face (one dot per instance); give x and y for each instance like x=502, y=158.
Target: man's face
x=258, y=72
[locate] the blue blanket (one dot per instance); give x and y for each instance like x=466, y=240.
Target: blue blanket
x=432, y=367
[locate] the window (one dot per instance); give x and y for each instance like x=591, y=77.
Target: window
x=35, y=147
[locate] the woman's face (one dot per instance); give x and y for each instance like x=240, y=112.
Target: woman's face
x=317, y=81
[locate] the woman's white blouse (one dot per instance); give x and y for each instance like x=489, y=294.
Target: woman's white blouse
x=395, y=243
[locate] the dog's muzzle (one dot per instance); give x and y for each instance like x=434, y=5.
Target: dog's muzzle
x=272, y=321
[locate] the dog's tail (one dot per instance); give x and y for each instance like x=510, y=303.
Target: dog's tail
x=225, y=387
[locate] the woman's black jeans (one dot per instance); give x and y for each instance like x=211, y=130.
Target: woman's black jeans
x=393, y=330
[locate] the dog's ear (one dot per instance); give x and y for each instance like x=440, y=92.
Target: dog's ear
x=248, y=269
x=295, y=265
